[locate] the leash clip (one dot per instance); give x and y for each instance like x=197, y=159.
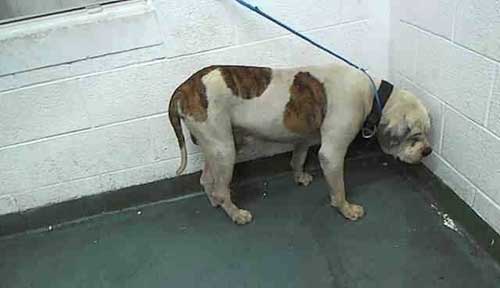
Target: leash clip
x=368, y=133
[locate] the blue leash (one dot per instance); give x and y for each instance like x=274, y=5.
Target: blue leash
x=268, y=17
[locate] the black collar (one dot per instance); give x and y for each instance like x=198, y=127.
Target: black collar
x=384, y=92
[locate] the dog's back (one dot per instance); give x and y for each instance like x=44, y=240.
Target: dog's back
x=282, y=105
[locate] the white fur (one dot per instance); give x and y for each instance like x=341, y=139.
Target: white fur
x=349, y=100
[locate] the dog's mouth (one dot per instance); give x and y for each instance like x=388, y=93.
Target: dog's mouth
x=408, y=161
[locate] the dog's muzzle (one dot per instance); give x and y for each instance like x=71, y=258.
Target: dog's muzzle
x=426, y=152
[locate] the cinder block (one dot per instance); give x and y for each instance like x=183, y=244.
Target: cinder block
x=473, y=151
x=281, y=52
x=75, y=156
x=192, y=26
x=357, y=9
x=250, y=27
x=39, y=45
x=101, y=183
x=451, y=177
x=164, y=143
x=478, y=26
x=433, y=15
x=404, y=49
x=435, y=108
x=128, y=93
x=232, y=24
x=306, y=15
x=488, y=210
x=8, y=205
x=466, y=81
x=430, y=53
x=349, y=41
x=300, y=15
x=58, y=193
x=494, y=113
x=457, y=76
x=149, y=173
x=41, y=111
x=84, y=66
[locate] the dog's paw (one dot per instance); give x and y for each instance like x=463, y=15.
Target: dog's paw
x=303, y=178
x=352, y=211
x=242, y=217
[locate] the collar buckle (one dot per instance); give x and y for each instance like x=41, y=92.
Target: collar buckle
x=368, y=133
x=379, y=100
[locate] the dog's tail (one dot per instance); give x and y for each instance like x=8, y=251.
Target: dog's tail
x=175, y=121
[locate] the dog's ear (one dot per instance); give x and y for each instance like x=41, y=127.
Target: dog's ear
x=392, y=133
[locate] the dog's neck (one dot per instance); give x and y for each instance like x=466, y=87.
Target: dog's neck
x=393, y=100
x=383, y=96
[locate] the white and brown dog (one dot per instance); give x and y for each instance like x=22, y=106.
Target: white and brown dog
x=300, y=106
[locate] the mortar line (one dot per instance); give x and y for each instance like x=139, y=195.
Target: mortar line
x=443, y=123
x=81, y=60
x=490, y=96
x=453, y=43
x=453, y=22
x=83, y=76
x=80, y=131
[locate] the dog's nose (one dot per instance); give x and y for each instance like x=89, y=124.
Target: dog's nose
x=427, y=151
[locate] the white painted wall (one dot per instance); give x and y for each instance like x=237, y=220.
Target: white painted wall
x=83, y=96
x=448, y=52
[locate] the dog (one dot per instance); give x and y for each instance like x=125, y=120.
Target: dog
x=329, y=104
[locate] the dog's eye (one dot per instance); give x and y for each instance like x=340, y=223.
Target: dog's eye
x=417, y=134
x=413, y=139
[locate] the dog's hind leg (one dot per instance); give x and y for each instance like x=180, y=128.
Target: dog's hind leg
x=217, y=143
x=298, y=159
x=207, y=181
x=220, y=157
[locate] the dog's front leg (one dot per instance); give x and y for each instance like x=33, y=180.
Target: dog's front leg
x=334, y=144
x=332, y=163
x=298, y=159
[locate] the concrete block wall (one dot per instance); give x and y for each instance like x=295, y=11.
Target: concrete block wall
x=448, y=52
x=83, y=95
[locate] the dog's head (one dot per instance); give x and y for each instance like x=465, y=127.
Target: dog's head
x=404, y=128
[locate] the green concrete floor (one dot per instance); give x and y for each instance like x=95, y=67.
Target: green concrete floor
x=296, y=240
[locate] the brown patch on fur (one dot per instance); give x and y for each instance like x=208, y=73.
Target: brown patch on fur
x=193, y=97
x=305, y=110
x=245, y=81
